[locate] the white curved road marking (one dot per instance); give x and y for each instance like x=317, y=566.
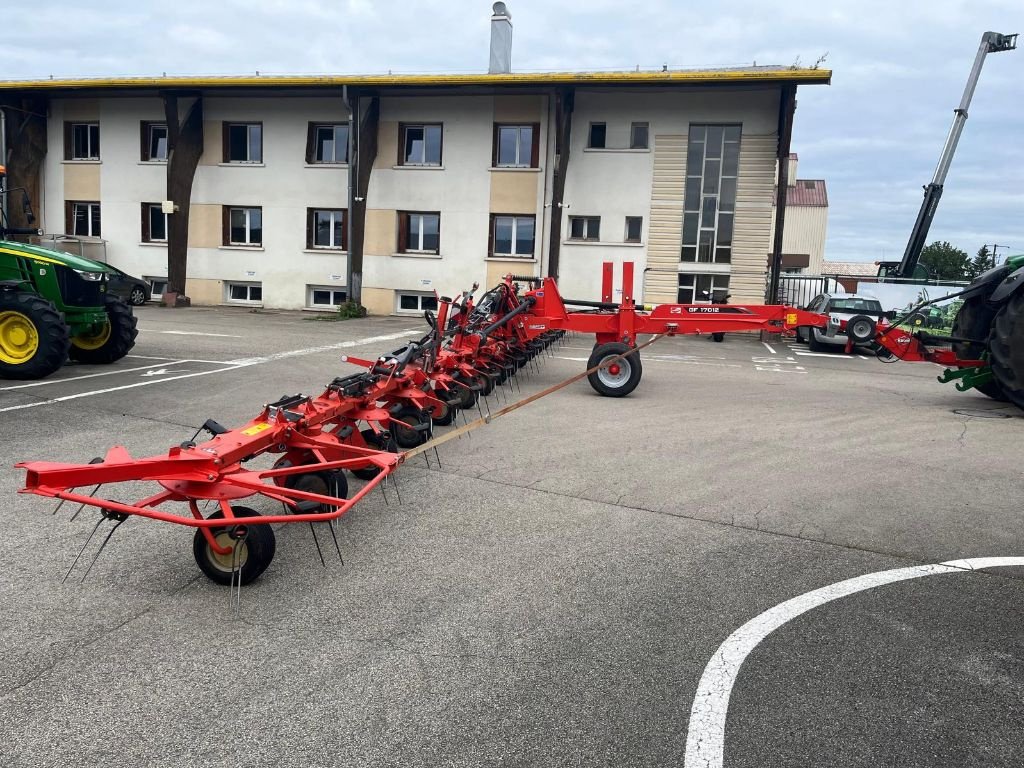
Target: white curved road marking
x=705, y=738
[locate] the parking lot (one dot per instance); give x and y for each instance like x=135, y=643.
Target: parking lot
x=558, y=592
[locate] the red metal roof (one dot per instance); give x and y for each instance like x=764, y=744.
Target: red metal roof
x=808, y=192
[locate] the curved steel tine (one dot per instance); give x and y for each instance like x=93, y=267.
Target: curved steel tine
x=79, y=555
x=120, y=519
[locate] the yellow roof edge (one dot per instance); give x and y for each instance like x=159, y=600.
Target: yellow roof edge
x=723, y=76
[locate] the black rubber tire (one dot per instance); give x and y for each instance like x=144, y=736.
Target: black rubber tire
x=718, y=336
x=632, y=365
x=137, y=296
x=1006, y=349
x=448, y=415
x=368, y=473
x=122, y=335
x=404, y=437
x=327, y=483
x=465, y=397
x=974, y=321
x=255, y=553
x=51, y=332
x=813, y=343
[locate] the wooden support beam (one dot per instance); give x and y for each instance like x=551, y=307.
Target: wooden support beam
x=564, y=100
x=184, y=146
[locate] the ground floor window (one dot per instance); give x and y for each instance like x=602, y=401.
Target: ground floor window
x=157, y=286
x=249, y=293
x=410, y=301
x=82, y=218
x=698, y=289
x=325, y=296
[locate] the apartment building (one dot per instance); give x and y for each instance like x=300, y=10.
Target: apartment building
x=300, y=192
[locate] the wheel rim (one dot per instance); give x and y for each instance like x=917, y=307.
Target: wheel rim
x=861, y=329
x=19, y=340
x=137, y=296
x=93, y=340
x=615, y=375
x=224, y=563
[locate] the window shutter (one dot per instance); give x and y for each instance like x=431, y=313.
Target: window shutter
x=490, y=238
x=310, y=226
x=535, y=146
x=311, y=143
x=224, y=135
x=344, y=229
x=67, y=140
x=226, y=223
x=69, y=219
x=403, y=231
x=400, y=160
x=146, y=234
x=494, y=148
x=143, y=150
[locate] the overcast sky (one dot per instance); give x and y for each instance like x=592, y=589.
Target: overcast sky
x=899, y=68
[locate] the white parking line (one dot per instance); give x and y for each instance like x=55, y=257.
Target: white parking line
x=91, y=375
x=705, y=738
x=230, y=365
x=195, y=333
x=769, y=347
x=822, y=354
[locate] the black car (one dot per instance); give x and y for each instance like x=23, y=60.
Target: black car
x=133, y=290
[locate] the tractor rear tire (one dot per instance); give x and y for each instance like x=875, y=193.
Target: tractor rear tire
x=115, y=340
x=254, y=554
x=621, y=377
x=33, y=336
x=1006, y=349
x=974, y=321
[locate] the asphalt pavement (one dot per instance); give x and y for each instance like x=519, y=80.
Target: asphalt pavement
x=556, y=593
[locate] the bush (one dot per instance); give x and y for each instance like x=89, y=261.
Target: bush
x=350, y=310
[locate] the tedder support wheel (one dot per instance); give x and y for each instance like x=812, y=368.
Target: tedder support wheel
x=113, y=341
x=619, y=378
x=255, y=549
x=325, y=483
x=974, y=321
x=374, y=441
x=33, y=336
x=1006, y=349
x=409, y=436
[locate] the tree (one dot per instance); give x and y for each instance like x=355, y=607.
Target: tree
x=945, y=261
x=983, y=262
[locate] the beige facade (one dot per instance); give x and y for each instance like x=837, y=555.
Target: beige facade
x=484, y=214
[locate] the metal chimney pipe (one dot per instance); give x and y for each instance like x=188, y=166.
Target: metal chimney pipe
x=501, y=40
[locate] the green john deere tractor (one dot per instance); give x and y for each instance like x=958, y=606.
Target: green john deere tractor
x=55, y=305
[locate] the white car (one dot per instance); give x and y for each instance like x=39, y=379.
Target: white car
x=840, y=306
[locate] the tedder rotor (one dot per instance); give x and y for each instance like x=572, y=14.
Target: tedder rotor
x=367, y=423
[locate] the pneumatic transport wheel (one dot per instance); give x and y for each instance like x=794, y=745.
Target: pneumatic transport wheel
x=620, y=377
x=1006, y=349
x=324, y=483
x=111, y=341
x=407, y=436
x=974, y=321
x=252, y=548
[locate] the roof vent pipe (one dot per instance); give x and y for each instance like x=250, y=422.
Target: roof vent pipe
x=501, y=40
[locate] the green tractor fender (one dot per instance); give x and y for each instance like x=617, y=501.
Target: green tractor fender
x=1008, y=287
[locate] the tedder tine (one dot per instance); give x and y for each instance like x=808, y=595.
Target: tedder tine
x=120, y=517
x=79, y=555
x=316, y=541
x=330, y=527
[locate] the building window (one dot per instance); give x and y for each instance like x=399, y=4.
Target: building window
x=246, y=293
x=82, y=219
x=409, y=301
x=513, y=236
x=325, y=297
x=420, y=145
x=243, y=226
x=157, y=286
x=154, y=142
x=598, y=135
x=634, y=228
x=419, y=232
x=325, y=228
x=584, y=227
x=328, y=143
x=81, y=141
x=516, y=146
x=243, y=142
x=154, y=223
x=698, y=289
x=638, y=136
x=709, y=202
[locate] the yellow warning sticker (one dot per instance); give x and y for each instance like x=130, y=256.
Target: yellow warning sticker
x=791, y=318
x=255, y=429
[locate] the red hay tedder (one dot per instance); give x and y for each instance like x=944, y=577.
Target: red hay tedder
x=369, y=422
